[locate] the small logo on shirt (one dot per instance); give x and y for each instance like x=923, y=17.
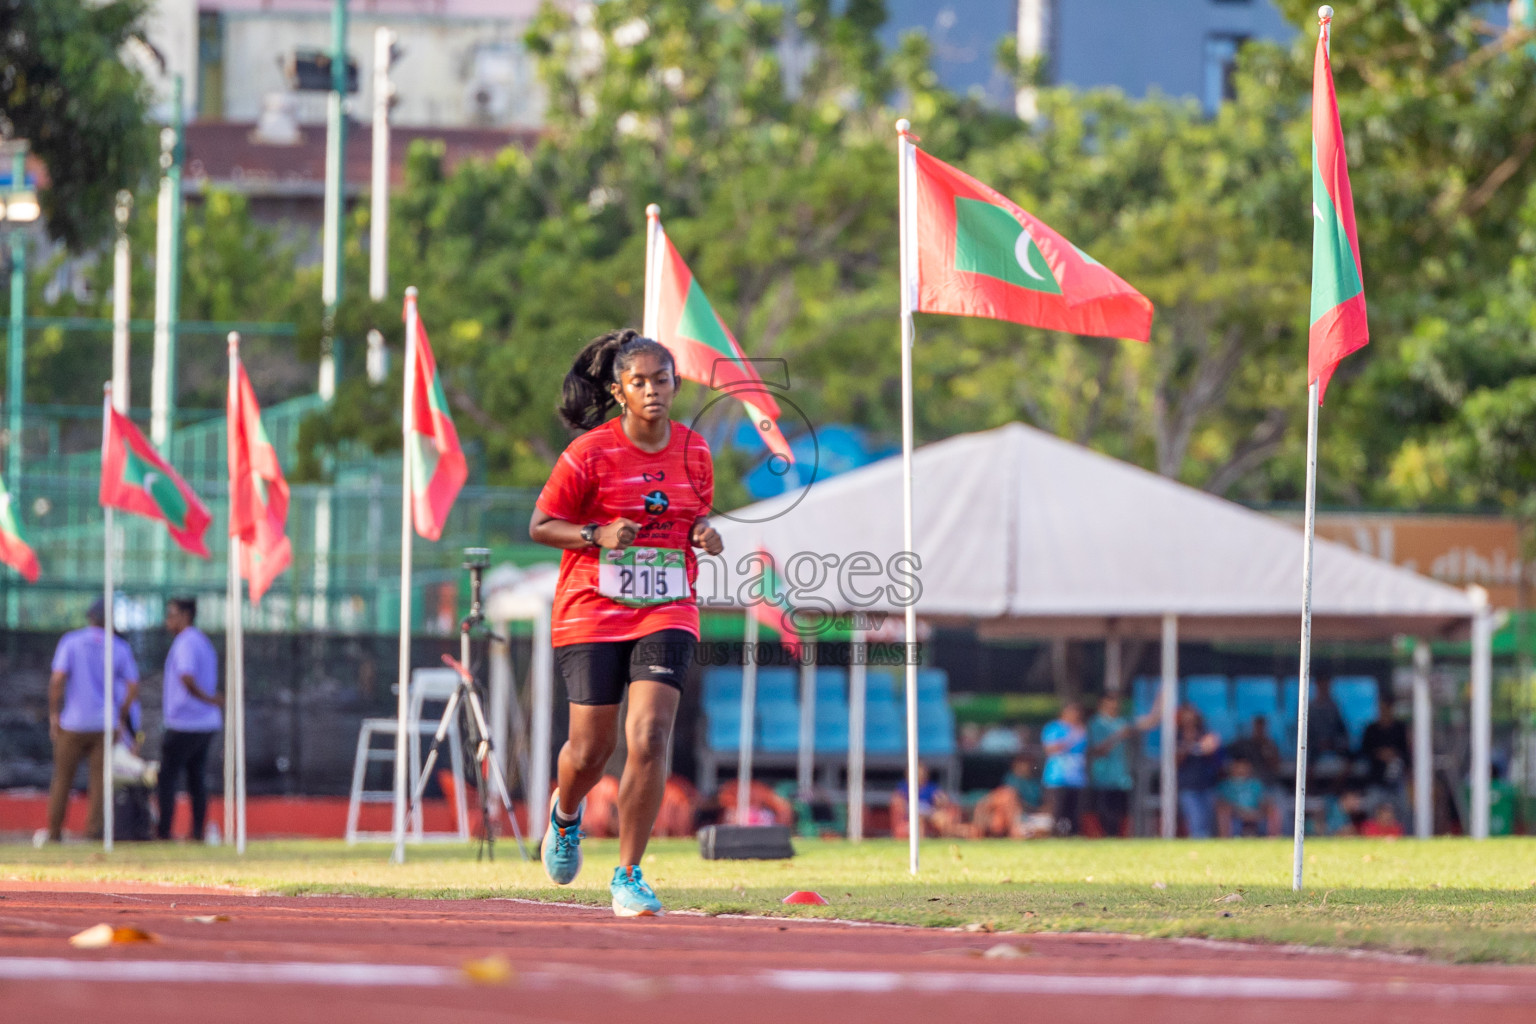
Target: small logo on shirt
x=661, y=670
x=659, y=475
x=656, y=502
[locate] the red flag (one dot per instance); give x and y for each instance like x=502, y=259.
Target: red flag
x=978, y=254
x=258, y=494
x=14, y=551
x=136, y=479
x=1338, y=286
x=438, y=469
x=707, y=352
x=771, y=607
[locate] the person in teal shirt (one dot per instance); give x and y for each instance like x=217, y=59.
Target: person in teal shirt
x=1066, y=767
x=1243, y=804
x=1109, y=769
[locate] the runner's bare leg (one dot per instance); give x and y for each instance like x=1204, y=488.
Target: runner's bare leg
x=652, y=707
x=592, y=738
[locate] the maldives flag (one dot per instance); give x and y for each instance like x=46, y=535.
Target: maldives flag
x=14, y=551
x=978, y=254
x=136, y=479
x=258, y=494
x=1338, y=288
x=438, y=468
x=770, y=604
x=705, y=350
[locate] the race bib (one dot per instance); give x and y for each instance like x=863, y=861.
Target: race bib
x=642, y=576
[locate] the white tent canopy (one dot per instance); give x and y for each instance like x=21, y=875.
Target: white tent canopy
x=1025, y=534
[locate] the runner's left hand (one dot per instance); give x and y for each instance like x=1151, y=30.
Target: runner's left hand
x=705, y=536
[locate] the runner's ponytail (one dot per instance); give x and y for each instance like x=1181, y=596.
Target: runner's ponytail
x=585, y=398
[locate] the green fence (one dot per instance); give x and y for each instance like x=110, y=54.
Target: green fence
x=345, y=574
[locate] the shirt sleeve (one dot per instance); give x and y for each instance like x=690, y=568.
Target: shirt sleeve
x=61, y=655
x=705, y=474
x=568, y=490
x=130, y=667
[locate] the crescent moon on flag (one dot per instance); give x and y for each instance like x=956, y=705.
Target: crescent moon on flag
x=1021, y=253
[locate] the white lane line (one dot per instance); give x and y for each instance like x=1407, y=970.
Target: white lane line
x=801, y=982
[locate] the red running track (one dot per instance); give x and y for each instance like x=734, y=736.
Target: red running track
x=331, y=960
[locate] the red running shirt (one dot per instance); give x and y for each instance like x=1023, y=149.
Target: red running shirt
x=603, y=476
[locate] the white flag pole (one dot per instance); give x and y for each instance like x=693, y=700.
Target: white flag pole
x=908, y=303
x=107, y=730
x=234, y=654
x=650, y=324
x=231, y=602
x=408, y=429
x=748, y=718
x=1304, y=678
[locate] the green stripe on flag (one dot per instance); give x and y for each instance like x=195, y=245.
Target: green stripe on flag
x=989, y=241
x=161, y=489
x=1335, y=278
x=699, y=323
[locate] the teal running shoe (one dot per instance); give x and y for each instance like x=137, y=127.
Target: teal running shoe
x=632, y=897
x=561, y=849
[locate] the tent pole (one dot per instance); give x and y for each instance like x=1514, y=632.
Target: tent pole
x=541, y=709
x=1304, y=676
x=858, y=671
x=1482, y=717
x=805, y=767
x=1423, y=750
x=908, y=304
x=748, y=709
x=1169, y=788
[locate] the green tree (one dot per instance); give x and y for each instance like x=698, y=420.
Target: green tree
x=65, y=89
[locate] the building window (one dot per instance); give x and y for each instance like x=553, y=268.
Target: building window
x=1221, y=50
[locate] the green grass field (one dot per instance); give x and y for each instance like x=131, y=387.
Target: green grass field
x=1451, y=899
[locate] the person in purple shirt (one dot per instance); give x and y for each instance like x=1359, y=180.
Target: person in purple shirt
x=75, y=694
x=193, y=714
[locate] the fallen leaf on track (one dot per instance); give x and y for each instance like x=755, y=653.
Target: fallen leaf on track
x=1231, y=897
x=103, y=935
x=490, y=970
x=207, y=918
x=1004, y=951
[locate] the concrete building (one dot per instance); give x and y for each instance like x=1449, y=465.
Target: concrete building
x=462, y=62
x=1173, y=47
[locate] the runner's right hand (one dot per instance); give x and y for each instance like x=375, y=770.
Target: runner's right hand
x=618, y=534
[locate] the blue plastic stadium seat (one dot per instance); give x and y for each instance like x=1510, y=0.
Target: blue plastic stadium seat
x=932, y=684
x=778, y=727
x=777, y=686
x=722, y=685
x=831, y=728
x=883, y=733
x=935, y=729
x=831, y=688
x=880, y=686
x=1359, y=701
x=724, y=731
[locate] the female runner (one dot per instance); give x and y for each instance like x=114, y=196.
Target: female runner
x=627, y=502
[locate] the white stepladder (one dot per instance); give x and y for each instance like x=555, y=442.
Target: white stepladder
x=427, y=684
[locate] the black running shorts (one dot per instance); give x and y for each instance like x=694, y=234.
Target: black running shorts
x=597, y=673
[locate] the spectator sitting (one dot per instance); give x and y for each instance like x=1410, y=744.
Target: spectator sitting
x=765, y=807
x=1327, y=742
x=679, y=805
x=1383, y=824
x=1003, y=811
x=937, y=814
x=1384, y=748
x=1345, y=815
x=1260, y=750
x=1243, y=805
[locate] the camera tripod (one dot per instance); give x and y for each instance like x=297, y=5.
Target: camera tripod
x=466, y=698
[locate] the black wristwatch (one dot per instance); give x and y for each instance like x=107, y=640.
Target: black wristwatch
x=589, y=533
